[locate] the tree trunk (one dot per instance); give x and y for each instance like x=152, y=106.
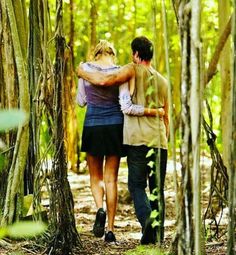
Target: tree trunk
x=195, y=114
x=183, y=242
x=69, y=107
x=65, y=237
x=34, y=61
x=155, y=32
x=225, y=73
x=170, y=93
x=231, y=244
x=69, y=115
x=72, y=32
x=15, y=180
x=9, y=94
x=93, y=28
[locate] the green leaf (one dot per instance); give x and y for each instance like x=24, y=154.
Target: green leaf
x=26, y=229
x=155, y=190
x=154, y=214
x=150, y=152
x=152, y=197
x=151, y=164
x=3, y=232
x=155, y=223
x=11, y=119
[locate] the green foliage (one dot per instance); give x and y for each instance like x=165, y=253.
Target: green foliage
x=152, y=197
x=150, y=153
x=24, y=229
x=154, y=214
x=10, y=119
x=151, y=164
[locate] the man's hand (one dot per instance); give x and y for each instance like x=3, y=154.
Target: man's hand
x=160, y=112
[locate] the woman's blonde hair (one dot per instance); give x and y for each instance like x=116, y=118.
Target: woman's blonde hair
x=104, y=47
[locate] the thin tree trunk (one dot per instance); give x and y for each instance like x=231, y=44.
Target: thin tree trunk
x=195, y=114
x=69, y=107
x=231, y=244
x=154, y=25
x=211, y=71
x=225, y=73
x=183, y=242
x=16, y=173
x=69, y=115
x=34, y=61
x=9, y=94
x=185, y=245
x=171, y=111
x=65, y=237
x=93, y=27
x=72, y=31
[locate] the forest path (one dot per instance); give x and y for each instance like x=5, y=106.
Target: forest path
x=127, y=228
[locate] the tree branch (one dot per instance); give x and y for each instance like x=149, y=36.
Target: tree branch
x=211, y=71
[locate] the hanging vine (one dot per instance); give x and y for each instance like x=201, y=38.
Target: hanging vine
x=219, y=181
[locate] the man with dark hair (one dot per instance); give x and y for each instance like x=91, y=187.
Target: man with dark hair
x=146, y=136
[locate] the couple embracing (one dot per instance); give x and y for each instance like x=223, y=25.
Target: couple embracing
x=127, y=115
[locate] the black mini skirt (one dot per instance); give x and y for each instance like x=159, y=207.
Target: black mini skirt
x=103, y=140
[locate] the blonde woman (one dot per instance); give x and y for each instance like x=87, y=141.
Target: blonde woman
x=102, y=138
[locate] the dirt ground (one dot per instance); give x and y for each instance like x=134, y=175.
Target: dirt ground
x=127, y=229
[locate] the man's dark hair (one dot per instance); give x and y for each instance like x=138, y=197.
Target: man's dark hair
x=143, y=46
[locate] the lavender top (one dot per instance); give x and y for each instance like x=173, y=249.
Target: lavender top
x=103, y=102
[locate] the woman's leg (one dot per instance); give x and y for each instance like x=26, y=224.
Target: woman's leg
x=95, y=165
x=110, y=179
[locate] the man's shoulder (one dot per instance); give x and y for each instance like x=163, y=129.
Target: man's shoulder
x=128, y=68
x=161, y=78
x=130, y=65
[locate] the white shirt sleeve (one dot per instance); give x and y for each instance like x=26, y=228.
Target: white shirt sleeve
x=127, y=107
x=81, y=96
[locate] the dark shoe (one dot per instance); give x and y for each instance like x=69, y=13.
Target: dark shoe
x=149, y=233
x=110, y=237
x=99, y=225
